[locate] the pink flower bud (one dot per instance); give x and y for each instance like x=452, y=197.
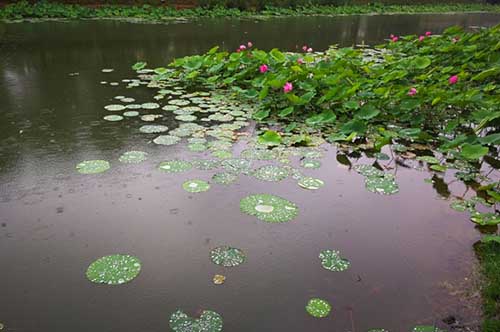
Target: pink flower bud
x=249, y=44
x=421, y=38
x=300, y=61
x=287, y=87
x=428, y=33
x=309, y=50
x=412, y=92
x=395, y=39
x=304, y=48
x=263, y=68
x=243, y=47
x=453, y=79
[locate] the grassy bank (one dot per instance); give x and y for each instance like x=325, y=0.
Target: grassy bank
x=41, y=10
x=489, y=257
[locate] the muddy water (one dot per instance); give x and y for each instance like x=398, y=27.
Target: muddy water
x=410, y=253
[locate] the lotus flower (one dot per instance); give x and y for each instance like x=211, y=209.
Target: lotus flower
x=287, y=87
x=300, y=61
x=412, y=92
x=428, y=33
x=309, y=50
x=249, y=44
x=395, y=39
x=243, y=47
x=263, y=68
x=421, y=38
x=453, y=79
x=304, y=48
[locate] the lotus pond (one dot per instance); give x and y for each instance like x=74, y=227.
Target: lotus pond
x=134, y=203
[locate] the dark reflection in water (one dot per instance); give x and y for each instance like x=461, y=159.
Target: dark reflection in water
x=408, y=251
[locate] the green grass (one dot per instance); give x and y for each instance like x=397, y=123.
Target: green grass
x=44, y=9
x=489, y=258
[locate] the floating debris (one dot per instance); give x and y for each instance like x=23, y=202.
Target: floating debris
x=114, y=269
x=331, y=260
x=133, y=157
x=93, y=166
x=195, y=186
x=107, y=70
x=219, y=279
x=318, y=308
x=209, y=321
x=227, y=256
x=269, y=208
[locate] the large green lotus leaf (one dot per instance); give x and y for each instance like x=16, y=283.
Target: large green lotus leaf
x=318, y=308
x=175, y=166
x=331, y=260
x=270, y=173
x=473, y=151
x=114, y=269
x=195, y=186
x=209, y=321
x=382, y=185
x=133, y=157
x=227, y=256
x=269, y=208
x=93, y=166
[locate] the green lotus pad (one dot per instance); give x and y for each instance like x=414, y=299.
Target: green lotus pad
x=310, y=183
x=133, y=157
x=331, y=260
x=153, y=129
x=224, y=178
x=368, y=170
x=377, y=330
x=195, y=186
x=150, y=106
x=197, y=147
x=114, y=107
x=318, y=308
x=131, y=113
x=93, y=166
x=114, y=269
x=382, y=185
x=428, y=159
x=113, y=118
x=175, y=166
x=206, y=164
x=310, y=163
x=227, y=256
x=270, y=173
x=269, y=208
x=236, y=165
x=222, y=154
x=209, y=321
x=166, y=140
x=426, y=328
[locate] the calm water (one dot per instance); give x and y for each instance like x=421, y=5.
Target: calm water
x=410, y=252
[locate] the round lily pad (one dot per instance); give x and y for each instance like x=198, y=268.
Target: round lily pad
x=131, y=113
x=197, y=147
x=127, y=100
x=153, y=129
x=258, y=154
x=114, y=107
x=170, y=108
x=227, y=256
x=382, y=156
x=270, y=173
x=186, y=117
x=318, y=308
x=113, y=118
x=368, y=170
x=428, y=159
x=178, y=102
x=224, y=178
x=151, y=117
x=426, y=328
x=222, y=154
x=269, y=208
x=236, y=165
x=150, y=106
x=133, y=157
x=209, y=321
x=133, y=106
x=331, y=260
x=206, y=164
x=93, y=166
x=166, y=140
x=195, y=186
x=175, y=166
x=382, y=185
x=114, y=269
x=310, y=163
x=310, y=183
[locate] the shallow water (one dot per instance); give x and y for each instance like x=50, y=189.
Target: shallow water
x=409, y=252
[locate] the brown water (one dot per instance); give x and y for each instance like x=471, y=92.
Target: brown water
x=409, y=252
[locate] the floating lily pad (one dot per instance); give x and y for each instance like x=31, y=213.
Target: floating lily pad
x=368, y=170
x=197, y=147
x=270, y=173
x=224, y=178
x=222, y=154
x=175, y=166
x=209, y=321
x=318, y=308
x=426, y=328
x=331, y=260
x=114, y=107
x=428, y=159
x=114, y=269
x=133, y=106
x=127, y=100
x=178, y=102
x=197, y=140
x=166, y=140
x=93, y=166
x=153, y=129
x=131, y=113
x=150, y=117
x=377, y=330
x=133, y=157
x=310, y=183
x=269, y=208
x=195, y=186
x=258, y=154
x=186, y=117
x=107, y=70
x=113, y=118
x=485, y=219
x=237, y=165
x=310, y=163
x=150, y=106
x=382, y=156
x=170, y=108
x=227, y=256
x=382, y=185
x=206, y=164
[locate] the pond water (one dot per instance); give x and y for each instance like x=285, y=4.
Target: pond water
x=411, y=255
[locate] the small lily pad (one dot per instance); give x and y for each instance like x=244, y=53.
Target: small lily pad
x=269, y=208
x=133, y=157
x=237, y=165
x=151, y=117
x=114, y=107
x=426, y=328
x=206, y=164
x=195, y=186
x=114, y=269
x=270, y=173
x=382, y=156
x=368, y=170
x=131, y=113
x=382, y=185
x=331, y=260
x=222, y=154
x=150, y=106
x=153, y=129
x=224, y=178
x=209, y=321
x=175, y=166
x=318, y=308
x=310, y=183
x=113, y=118
x=166, y=140
x=310, y=163
x=227, y=256
x=93, y=166
x=178, y=102
x=186, y=117
x=197, y=147
x=428, y=159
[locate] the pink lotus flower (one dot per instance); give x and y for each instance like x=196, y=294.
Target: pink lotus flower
x=421, y=38
x=391, y=36
x=287, y=87
x=263, y=68
x=428, y=33
x=412, y=92
x=309, y=50
x=300, y=61
x=304, y=48
x=395, y=39
x=453, y=79
x=249, y=44
x=243, y=47
x=455, y=39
